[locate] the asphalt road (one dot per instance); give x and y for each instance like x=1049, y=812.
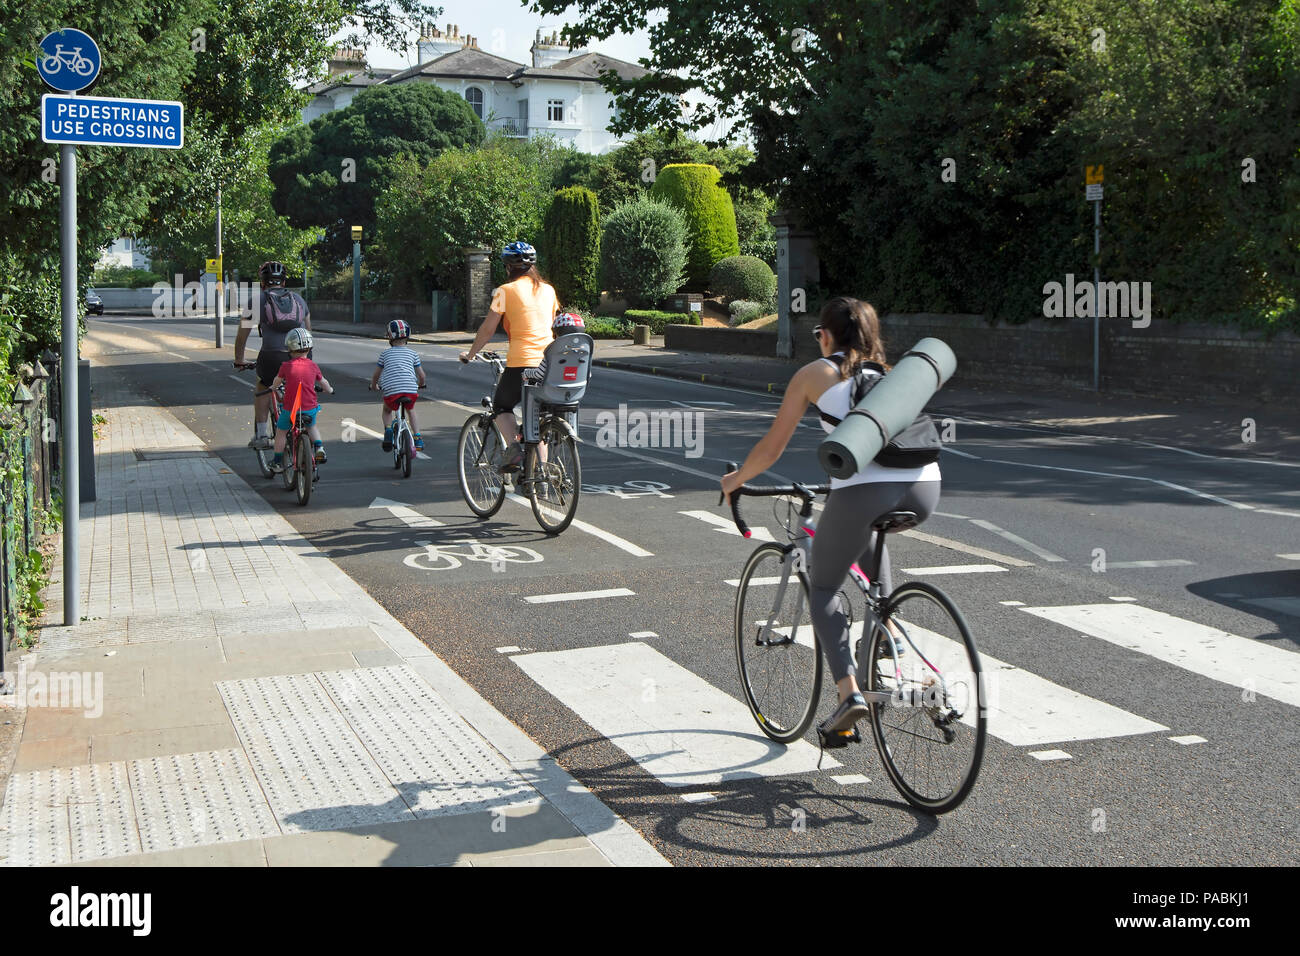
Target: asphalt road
x=1198, y=641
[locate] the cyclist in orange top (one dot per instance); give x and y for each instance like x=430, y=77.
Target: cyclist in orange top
x=528, y=305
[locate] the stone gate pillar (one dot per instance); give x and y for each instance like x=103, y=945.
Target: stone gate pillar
x=478, y=285
x=797, y=268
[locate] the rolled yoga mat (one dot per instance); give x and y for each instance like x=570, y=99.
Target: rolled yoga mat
x=887, y=409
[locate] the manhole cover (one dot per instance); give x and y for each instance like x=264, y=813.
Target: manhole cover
x=142, y=455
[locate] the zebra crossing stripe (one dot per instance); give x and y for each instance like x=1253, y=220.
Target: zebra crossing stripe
x=1207, y=651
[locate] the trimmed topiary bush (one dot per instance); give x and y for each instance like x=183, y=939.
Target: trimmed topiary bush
x=642, y=251
x=743, y=277
x=571, y=239
x=710, y=216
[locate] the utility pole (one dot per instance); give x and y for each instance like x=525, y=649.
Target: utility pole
x=356, y=275
x=221, y=288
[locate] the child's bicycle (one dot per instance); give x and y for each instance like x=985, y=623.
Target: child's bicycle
x=404, y=450
x=300, y=471
x=925, y=685
x=552, y=486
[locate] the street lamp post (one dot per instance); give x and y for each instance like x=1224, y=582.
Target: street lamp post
x=356, y=275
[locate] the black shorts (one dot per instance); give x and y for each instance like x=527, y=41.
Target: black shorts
x=268, y=365
x=510, y=390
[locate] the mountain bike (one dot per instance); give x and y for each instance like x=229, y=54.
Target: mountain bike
x=923, y=683
x=264, y=455
x=551, y=475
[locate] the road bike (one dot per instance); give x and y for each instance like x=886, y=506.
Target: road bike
x=264, y=455
x=448, y=556
x=924, y=685
x=73, y=60
x=404, y=450
x=551, y=476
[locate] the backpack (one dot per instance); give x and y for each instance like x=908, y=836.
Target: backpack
x=916, y=445
x=282, y=310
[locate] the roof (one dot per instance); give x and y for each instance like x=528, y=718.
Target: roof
x=360, y=78
x=465, y=62
x=586, y=66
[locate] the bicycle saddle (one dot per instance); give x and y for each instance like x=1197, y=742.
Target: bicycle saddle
x=895, y=521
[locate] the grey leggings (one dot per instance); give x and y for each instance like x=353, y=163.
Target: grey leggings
x=844, y=525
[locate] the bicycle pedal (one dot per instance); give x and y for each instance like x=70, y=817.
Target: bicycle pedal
x=838, y=738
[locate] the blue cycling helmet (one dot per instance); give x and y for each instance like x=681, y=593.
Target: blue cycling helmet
x=519, y=254
x=397, y=329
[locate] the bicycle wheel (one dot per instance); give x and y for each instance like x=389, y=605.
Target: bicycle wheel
x=931, y=734
x=304, y=476
x=555, y=484
x=780, y=670
x=264, y=459
x=480, y=482
x=408, y=453
x=287, y=460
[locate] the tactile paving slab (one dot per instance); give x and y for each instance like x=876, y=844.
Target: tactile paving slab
x=34, y=820
x=312, y=767
x=437, y=762
x=68, y=814
x=198, y=798
x=101, y=815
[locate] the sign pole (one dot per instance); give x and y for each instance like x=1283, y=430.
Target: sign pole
x=68, y=398
x=1096, y=296
x=221, y=287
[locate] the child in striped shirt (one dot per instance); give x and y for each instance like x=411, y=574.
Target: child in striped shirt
x=398, y=374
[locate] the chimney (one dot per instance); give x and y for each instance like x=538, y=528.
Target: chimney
x=436, y=44
x=346, y=61
x=547, y=50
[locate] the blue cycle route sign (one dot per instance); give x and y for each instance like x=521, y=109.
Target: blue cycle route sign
x=71, y=60
x=112, y=121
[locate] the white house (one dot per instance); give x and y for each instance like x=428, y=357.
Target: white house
x=559, y=94
x=125, y=252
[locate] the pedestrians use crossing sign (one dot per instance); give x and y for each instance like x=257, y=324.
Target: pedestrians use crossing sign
x=112, y=121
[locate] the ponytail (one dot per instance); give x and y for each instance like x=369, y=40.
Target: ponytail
x=855, y=330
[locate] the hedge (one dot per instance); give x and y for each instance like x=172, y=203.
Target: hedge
x=743, y=277
x=571, y=239
x=709, y=214
x=643, y=250
x=657, y=320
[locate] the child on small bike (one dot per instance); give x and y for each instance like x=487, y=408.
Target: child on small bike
x=299, y=376
x=398, y=373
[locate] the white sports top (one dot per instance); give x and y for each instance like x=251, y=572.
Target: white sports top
x=835, y=401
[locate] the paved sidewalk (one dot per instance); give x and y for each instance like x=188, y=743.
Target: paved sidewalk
x=1213, y=425
x=233, y=698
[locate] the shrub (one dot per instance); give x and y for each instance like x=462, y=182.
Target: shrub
x=571, y=239
x=124, y=277
x=710, y=216
x=603, y=327
x=643, y=251
x=743, y=277
x=743, y=311
x=657, y=320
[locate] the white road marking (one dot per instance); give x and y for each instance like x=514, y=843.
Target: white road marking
x=701, y=402
x=672, y=722
x=579, y=596
x=1189, y=739
x=1287, y=605
x=607, y=536
x=406, y=513
x=1050, y=755
x=380, y=435
x=639, y=635
x=1290, y=557
x=1203, y=650
x=753, y=582
x=949, y=514
x=849, y=779
x=966, y=548
x=1123, y=599
x=1013, y=603
x=1016, y=539
x=243, y=381
x=699, y=797
x=1270, y=511
x=726, y=525
x=1168, y=563
x=508, y=649
x=955, y=569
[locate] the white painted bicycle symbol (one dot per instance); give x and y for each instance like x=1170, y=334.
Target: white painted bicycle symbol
x=449, y=556
x=639, y=489
x=74, y=61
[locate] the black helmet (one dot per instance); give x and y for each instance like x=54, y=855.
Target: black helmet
x=519, y=254
x=273, y=272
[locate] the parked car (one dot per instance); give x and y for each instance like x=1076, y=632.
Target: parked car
x=94, y=303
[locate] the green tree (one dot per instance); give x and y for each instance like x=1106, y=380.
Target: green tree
x=571, y=239
x=709, y=215
x=330, y=173
x=430, y=213
x=643, y=248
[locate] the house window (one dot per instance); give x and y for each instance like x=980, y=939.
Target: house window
x=474, y=96
x=555, y=111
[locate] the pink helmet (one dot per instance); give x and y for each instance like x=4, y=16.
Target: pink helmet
x=568, y=322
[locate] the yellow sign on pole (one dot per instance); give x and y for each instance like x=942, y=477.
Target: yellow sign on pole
x=214, y=266
x=1092, y=175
